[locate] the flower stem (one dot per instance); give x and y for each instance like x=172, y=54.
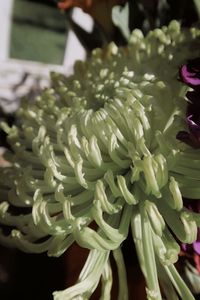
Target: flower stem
x=123, y=287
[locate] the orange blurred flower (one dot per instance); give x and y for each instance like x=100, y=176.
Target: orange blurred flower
x=100, y=10
x=87, y=5
x=84, y=4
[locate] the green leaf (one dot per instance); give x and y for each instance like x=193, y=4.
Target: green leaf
x=120, y=17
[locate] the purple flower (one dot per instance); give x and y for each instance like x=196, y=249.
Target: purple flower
x=195, y=247
x=190, y=74
x=192, y=137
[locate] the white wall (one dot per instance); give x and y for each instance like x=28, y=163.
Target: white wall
x=5, y=26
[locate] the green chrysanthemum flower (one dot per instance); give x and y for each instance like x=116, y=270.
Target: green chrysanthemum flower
x=99, y=150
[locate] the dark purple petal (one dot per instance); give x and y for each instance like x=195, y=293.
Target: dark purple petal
x=190, y=78
x=184, y=247
x=190, y=72
x=196, y=247
x=193, y=205
x=183, y=136
x=189, y=138
x=193, y=115
x=194, y=96
x=193, y=127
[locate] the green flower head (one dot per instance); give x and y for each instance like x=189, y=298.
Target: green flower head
x=99, y=150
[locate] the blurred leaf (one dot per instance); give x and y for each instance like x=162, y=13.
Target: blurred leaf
x=192, y=278
x=163, y=13
x=120, y=17
x=197, y=5
x=89, y=40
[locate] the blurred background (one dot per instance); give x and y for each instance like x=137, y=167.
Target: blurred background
x=34, y=39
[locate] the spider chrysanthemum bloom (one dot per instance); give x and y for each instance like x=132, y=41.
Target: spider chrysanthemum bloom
x=99, y=150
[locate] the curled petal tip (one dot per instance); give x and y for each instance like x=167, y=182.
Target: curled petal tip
x=190, y=72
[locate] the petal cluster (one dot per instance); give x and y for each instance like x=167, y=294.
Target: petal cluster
x=97, y=155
